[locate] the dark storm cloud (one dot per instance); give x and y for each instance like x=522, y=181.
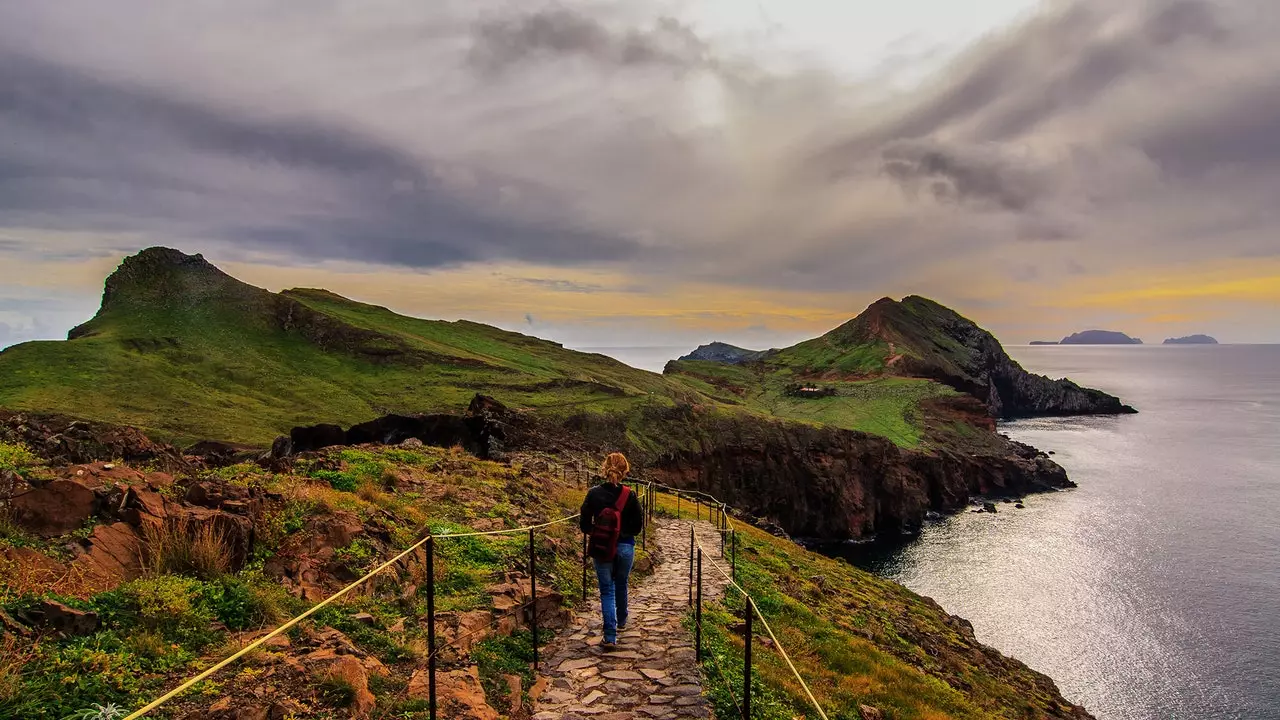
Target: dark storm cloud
x=979, y=175
x=610, y=132
x=88, y=151
x=504, y=41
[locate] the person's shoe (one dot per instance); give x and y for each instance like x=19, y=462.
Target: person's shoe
x=608, y=646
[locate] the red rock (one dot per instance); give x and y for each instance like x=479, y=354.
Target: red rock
x=349, y=670
x=54, y=615
x=114, y=555
x=458, y=694
x=55, y=509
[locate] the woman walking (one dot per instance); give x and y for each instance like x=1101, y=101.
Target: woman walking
x=612, y=518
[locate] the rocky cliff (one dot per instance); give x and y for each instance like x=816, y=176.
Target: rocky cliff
x=938, y=343
x=834, y=484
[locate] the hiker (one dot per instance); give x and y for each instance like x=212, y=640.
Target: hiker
x=611, y=518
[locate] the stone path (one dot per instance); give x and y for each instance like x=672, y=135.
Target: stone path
x=653, y=673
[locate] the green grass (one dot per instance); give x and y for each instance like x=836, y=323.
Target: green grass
x=159, y=630
x=856, y=639
x=194, y=354
x=887, y=406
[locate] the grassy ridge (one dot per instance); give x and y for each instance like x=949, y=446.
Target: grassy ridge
x=186, y=352
x=229, y=369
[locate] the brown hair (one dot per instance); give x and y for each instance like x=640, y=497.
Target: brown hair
x=615, y=467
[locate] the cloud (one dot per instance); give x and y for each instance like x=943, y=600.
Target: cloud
x=562, y=32
x=569, y=286
x=1094, y=137
x=979, y=175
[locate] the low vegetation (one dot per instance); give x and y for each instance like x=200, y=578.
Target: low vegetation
x=191, y=608
x=857, y=640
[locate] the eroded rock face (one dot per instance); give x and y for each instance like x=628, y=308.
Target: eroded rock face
x=840, y=484
x=113, y=555
x=482, y=431
x=54, y=509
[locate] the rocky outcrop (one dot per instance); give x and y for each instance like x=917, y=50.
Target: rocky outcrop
x=837, y=484
x=65, y=441
x=54, y=509
x=481, y=431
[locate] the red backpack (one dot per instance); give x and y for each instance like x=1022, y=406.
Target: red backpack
x=603, y=544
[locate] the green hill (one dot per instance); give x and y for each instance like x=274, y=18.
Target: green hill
x=904, y=370
x=185, y=351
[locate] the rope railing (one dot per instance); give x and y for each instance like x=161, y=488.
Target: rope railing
x=427, y=542
x=645, y=492
x=751, y=609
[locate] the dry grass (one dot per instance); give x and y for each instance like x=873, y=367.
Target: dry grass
x=14, y=656
x=186, y=548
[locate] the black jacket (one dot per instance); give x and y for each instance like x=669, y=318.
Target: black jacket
x=603, y=496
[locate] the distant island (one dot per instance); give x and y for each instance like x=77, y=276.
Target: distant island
x=1191, y=340
x=1100, y=337
x=1044, y=342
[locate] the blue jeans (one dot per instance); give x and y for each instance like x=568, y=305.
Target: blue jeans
x=613, y=589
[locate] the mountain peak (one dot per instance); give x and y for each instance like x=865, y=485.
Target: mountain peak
x=161, y=274
x=162, y=277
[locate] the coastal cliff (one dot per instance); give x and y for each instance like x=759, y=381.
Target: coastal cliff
x=939, y=343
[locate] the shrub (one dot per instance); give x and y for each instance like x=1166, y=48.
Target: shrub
x=17, y=458
x=171, y=605
x=337, y=480
x=182, y=547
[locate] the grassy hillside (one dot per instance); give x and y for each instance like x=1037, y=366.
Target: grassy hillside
x=881, y=405
x=857, y=640
x=187, y=352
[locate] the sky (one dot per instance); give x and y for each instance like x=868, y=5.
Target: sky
x=653, y=172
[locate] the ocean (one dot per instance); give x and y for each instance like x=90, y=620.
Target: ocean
x=1152, y=591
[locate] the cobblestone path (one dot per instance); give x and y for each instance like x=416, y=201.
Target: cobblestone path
x=653, y=673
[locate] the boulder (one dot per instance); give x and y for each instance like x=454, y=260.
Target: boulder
x=989, y=507
x=552, y=613
x=113, y=555
x=870, y=713
x=348, y=670
x=53, y=615
x=55, y=509
x=458, y=694
x=26, y=568
x=461, y=631
x=281, y=447
x=316, y=437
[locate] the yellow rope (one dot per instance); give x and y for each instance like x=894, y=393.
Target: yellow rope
x=526, y=528
x=756, y=609
x=317, y=607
